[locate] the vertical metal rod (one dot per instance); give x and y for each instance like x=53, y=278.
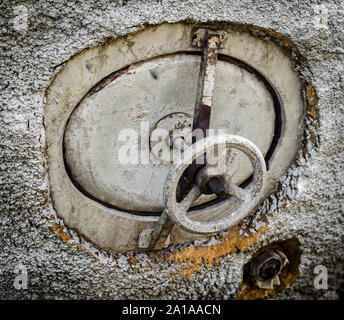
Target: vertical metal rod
x=206, y=82
x=201, y=120
x=161, y=231
x=204, y=95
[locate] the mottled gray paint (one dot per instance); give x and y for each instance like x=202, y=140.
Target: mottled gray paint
x=58, y=30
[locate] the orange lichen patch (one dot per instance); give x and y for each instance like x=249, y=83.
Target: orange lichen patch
x=196, y=257
x=45, y=200
x=65, y=237
x=60, y=233
x=44, y=197
x=133, y=260
x=312, y=100
x=291, y=248
x=55, y=227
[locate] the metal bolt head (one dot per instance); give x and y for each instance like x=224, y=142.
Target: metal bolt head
x=199, y=35
x=210, y=182
x=216, y=186
x=268, y=265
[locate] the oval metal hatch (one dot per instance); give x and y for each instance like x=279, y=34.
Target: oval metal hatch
x=148, y=91
x=150, y=77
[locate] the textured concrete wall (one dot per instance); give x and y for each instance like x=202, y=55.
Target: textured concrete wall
x=62, y=265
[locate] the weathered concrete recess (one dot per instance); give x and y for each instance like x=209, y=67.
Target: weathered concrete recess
x=243, y=106
x=62, y=265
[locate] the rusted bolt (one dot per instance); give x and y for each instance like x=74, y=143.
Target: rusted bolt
x=265, y=268
x=216, y=186
x=209, y=183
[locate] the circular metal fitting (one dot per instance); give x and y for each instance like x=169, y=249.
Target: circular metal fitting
x=170, y=136
x=248, y=197
x=266, y=267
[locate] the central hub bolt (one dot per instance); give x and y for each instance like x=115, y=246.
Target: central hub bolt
x=216, y=186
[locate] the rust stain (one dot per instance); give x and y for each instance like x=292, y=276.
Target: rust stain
x=197, y=257
x=104, y=82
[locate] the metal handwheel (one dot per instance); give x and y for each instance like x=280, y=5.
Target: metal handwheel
x=178, y=212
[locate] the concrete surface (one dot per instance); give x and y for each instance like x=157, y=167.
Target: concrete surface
x=62, y=265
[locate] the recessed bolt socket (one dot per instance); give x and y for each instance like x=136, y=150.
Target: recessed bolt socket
x=266, y=267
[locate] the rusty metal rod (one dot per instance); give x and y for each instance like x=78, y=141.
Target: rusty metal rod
x=161, y=231
x=204, y=95
x=201, y=120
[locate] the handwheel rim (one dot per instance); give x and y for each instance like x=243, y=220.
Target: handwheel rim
x=178, y=211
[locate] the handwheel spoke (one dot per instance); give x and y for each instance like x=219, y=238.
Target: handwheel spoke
x=236, y=191
x=190, y=197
